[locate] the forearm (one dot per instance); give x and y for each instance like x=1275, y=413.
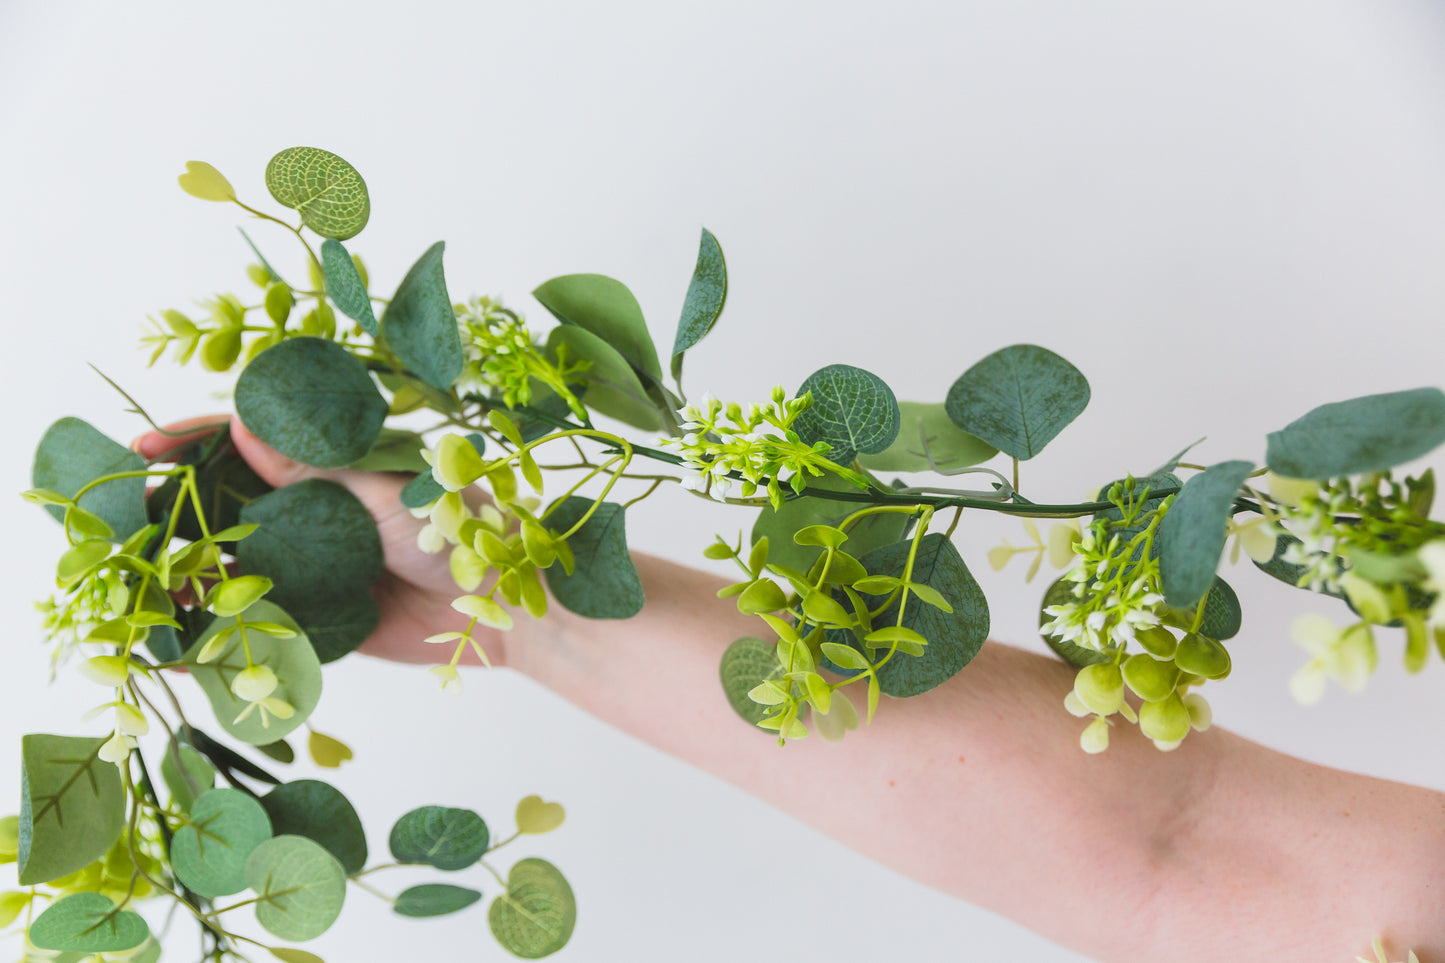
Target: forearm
x=1221, y=849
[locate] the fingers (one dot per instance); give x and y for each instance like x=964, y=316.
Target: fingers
x=275, y=468
x=154, y=444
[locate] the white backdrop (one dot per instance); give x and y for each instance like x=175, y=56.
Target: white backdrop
x=1224, y=214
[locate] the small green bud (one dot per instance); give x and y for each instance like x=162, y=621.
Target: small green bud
x=1100, y=687
x=718, y=550
x=1166, y=720
x=763, y=595
x=220, y=349
x=1202, y=656
x=279, y=301
x=259, y=276
x=361, y=270
x=1150, y=678
x=1367, y=598
x=180, y=325
x=1095, y=737
x=318, y=278
x=1157, y=641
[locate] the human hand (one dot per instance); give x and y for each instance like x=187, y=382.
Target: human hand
x=416, y=590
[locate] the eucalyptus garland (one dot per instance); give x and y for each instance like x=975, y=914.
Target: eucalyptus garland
x=193, y=562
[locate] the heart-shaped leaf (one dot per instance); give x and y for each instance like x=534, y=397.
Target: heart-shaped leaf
x=299, y=885
x=853, y=410
x=210, y=850
x=536, y=817
x=345, y=287
x=327, y=191
x=312, y=401
x=706, y=294
x=204, y=181
x=535, y=916
x=1360, y=435
x=1018, y=399
x=440, y=836
x=87, y=923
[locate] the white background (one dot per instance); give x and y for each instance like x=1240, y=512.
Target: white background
x=1224, y=214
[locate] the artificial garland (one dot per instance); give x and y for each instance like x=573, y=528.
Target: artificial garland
x=857, y=586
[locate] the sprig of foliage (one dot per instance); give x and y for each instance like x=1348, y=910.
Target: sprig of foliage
x=854, y=580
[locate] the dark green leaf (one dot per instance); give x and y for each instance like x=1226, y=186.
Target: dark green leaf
x=604, y=583
x=1192, y=534
x=420, y=325
x=293, y=660
x=336, y=626
x=706, y=294
x=422, y=490
x=434, y=899
x=1287, y=572
x=318, y=811
x=1018, y=399
x=535, y=916
x=327, y=191
x=209, y=851
x=1361, y=435
x=1223, y=617
x=953, y=639
x=747, y=663
x=72, y=806
x=1078, y=656
x=312, y=401
x=853, y=410
x=88, y=923
x=224, y=482
x=440, y=836
x=345, y=287
x=301, y=887
x=870, y=532
x=950, y=446
x=613, y=388
x=72, y=454
x=606, y=308
x=280, y=750
x=224, y=757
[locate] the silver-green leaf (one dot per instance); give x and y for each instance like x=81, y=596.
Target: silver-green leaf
x=1018, y=399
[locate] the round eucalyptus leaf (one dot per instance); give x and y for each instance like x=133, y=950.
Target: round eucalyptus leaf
x=71, y=454
x=747, y=663
x=300, y=886
x=345, y=287
x=440, y=836
x=312, y=401
x=1361, y=435
x=535, y=916
x=328, y=192
x=853, y=410
x=319, y=812
x=293, y=660
x=210, y=849
x=434, y=899
x=87, y=923
x=1018, y=399
x=928, y=424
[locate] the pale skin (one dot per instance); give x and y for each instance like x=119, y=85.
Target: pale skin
x=1221, y=850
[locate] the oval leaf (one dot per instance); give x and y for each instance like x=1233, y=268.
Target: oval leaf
x=88, y=923
x=536, y=915
x=613, y=388
x=327, y=191
x=420, y=325
x=1018, y=398
x=434, y=899
x=853, y=410
x=312, y=401
x=319, y=546
x=345, y=287
x=1192, y=534
x=606, y=308
x=706, y=294
x=300, y=886
x=72, y=806
x=748, y=663
x=318, y=811
x=440, y=836
x=209, y=851
x=1361, y=435
x=924, y=424
x=72, y=454
x=604, y=583
x=293, y=660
